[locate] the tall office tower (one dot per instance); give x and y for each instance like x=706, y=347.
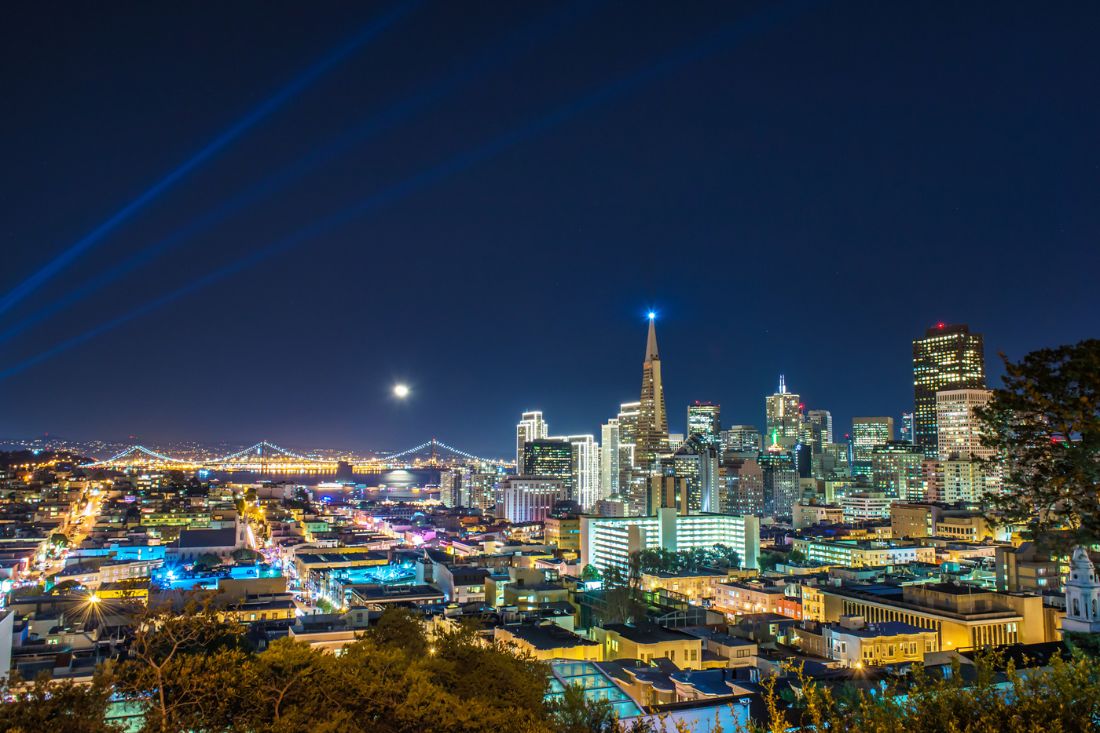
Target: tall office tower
x=932, y=473
x=454, y=489
x=610, y=452
x=781, y=488
x=483, y=490
x=907, y=426
x=947, y=358
x=832, y=462
x=743, y=488
x=742, y=439
x=585, y=470
x=628, y=434
x=897, y=470
x=549, y=458
x=958, y=432
x=531, y=427
x=652, y=438
x=696, y=461
x=867, y=432
x=821, y=422
x=784, y=417
x=968, y=481
x=666, y=492
x=704, y=420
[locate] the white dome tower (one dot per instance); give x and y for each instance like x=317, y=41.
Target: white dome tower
x=1082, y=595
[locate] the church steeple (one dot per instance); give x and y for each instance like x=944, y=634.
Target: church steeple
x=1082, y=595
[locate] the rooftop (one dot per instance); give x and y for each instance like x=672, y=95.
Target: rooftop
x=648, y=633
x=547, y=636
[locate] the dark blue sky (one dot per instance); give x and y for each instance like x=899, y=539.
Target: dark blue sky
x=802, y=190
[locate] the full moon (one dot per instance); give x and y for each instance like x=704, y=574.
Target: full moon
x=400, y=391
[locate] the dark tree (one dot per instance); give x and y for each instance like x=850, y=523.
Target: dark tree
x=1044, y=424
x=44, y=705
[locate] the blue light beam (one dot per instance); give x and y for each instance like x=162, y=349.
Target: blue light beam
x=716, y=42
x=280, y=98
x=498, y=54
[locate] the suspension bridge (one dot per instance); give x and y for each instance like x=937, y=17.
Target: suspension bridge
x=267, y=458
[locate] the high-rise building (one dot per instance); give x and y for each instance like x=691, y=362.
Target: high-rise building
x=781, y=487
x=743, y=488
x=585, y=469
x=628, y=438
x=833, y=462
x=784, y=417
x=666, y=492
x=610, y=541
x=454, y=486
x=652, y=437
x=610, y=455
x=968, y=481
x=958, y=432
x=531, y=427
x=907, y=426
x=696, y=461
x=947, y=358
x=549, y=458
x=897, y=470
x=527, y=499
x=482, y=490
x=821, y=423
x=741, y=439
x=867, y=432
x=704, y=421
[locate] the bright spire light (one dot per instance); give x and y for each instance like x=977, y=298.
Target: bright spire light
x=651, y=315
x=400, y=391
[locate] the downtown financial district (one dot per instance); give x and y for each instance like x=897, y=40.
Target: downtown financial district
x=664, y=572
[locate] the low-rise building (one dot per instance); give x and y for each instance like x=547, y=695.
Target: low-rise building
x=697, y=586
x=461, y=584
x=546, y=642
x=963, y=616
x=861, y=553
x=648, y=642
x=857, y=643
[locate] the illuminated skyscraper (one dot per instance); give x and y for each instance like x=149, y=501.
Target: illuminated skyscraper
x=897, y=469
x=652, y=439
x=531, y=427
x=907, y=426
x=585, y=469
x=549, y=458
x=696, y=461
x=742, y=439
x=784, y=417
x=821, y=424
x=947, y=358
x=781, y=489
x=704, y=420
x=610, y=455
x=742, y=490
x=628, y=434
x=958, y=432
x=867, y=432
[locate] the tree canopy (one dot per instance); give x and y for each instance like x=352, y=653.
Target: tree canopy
x=1044, y=424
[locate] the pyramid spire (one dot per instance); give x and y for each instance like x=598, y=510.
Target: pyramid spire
x=651, y=342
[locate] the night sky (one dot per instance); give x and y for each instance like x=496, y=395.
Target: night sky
x=798, y=188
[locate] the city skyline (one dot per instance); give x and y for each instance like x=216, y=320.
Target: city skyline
x=489, y=225
x=760, y=421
